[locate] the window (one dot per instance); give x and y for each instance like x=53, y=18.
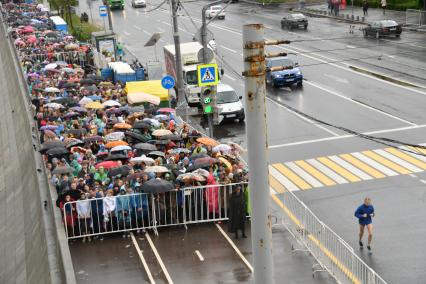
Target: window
x=227, y=97
x=191, y=77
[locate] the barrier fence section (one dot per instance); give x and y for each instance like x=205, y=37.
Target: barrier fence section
x=140, y=211
x=415, y=17
x=331, y=252
x=71, y=57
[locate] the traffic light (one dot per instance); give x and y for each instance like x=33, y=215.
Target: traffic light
x=207, y=99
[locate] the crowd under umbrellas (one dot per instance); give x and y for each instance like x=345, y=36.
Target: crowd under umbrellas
x=94, y=144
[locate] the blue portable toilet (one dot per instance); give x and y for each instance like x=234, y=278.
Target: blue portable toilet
x=59, y=24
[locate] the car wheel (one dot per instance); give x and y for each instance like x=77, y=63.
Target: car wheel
x=274, y=85
x=242, y=117
x=365, y=33
x=398, y=35
x=306, y=27
x=300, y=84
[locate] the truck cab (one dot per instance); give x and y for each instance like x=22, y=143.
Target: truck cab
x=284, y=78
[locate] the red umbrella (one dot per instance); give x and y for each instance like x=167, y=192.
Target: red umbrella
x=166, y=110
x=28, y=29
x=107, y=164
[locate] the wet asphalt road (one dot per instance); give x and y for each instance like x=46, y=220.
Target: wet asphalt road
x=332, y=93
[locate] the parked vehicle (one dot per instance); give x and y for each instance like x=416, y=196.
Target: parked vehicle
x=215, y=10
x=284, y=78
x=138, y=3
x=229, y=103
x=383, y=28
x=294, y=21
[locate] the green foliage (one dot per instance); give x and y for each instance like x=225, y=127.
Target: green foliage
x=393, y=4
x=82, y=31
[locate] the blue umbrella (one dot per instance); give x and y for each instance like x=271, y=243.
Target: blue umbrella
x=95, y=97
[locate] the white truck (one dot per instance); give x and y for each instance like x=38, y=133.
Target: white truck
x=189, y=52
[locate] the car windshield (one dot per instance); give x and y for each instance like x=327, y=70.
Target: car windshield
x=191, y=77
x=297, y=16
x=227, y=97
x=281, y=62
x=388, y=23
x=217, y=8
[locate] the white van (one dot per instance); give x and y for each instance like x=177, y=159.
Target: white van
x=229, y=103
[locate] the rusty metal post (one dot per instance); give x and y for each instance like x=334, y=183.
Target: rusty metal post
x=257, y=142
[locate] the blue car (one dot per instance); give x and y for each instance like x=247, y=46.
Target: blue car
x=283, y=78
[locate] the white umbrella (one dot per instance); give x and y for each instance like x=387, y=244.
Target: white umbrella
x=120, y=148
x=156, y=169
x=84, y=101
x=50, y=66
x=54, y=105
x=111, y=103
x=51, y=90
x=222, y=148
x=114, y=136
x=142, y=159
x=202, y=172
x=161, y=132
x=154, y=122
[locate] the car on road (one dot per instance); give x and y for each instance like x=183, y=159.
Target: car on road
x=283, y=78
x=215, y=10
x=229, y=103
x=294, y=21
x=382, y=28
x=138, y=3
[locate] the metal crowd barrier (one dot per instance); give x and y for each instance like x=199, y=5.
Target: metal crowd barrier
x=140, y=211
x=330, y=251
x=415, y=17
x=71, y=57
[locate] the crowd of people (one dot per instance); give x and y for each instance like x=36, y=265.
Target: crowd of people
x=109, y=161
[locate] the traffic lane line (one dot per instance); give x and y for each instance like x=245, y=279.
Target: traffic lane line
x=229, y=49
x=142, y=258
x=159, y=260
x=200, y=256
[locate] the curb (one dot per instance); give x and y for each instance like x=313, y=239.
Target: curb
x=385, y=78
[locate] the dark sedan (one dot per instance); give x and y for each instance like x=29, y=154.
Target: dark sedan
x=294, y=21
x=383, y=28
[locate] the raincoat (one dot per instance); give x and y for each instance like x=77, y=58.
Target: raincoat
x=211, y=195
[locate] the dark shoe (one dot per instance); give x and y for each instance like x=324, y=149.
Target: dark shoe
x=244, y=236
x=361, y=245
x=369, y=248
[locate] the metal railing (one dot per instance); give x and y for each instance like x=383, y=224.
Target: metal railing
x=71, y=57
x=140, y=211
x=415, y=17
x=331, y=252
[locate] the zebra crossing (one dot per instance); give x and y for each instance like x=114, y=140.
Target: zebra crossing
x=346, y=168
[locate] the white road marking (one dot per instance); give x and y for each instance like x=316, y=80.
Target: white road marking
x=350, y=46
x=127, y=33
x=144, y=264
x=346, y=136
x=358, y=103
x=337, y=79
x=416, y=45
x=246, y=262
x=160, y=29
x=300, y=172
x=146, y=32
x=412, y=175
x=160, y=262
x=229, y=77
x=304, y=118
x=166, y=23
x=374, y=164
x=185, y=31
x=328, y=172
x=292, y=33
x=282, y=179
x=350, y=168
x=197, y=252
x=410, y=152
x=229, y=49
x=423, y=181
x=137, y=27
x=398, y=161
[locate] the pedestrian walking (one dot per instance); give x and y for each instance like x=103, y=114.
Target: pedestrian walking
x=237, y=214
x=364, y=213
x=384, y=4
x=365, y=7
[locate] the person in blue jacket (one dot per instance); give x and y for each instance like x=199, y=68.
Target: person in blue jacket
x=364, y=213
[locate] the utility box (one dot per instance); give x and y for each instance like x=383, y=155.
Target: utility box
x=106, y=42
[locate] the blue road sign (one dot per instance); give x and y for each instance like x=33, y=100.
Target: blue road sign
x=103, y=11
x=207, y=75
x=168, y=82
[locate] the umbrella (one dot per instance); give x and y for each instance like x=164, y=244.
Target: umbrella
x=172, y=137
x=161, y=132
x=115, y=157
x=141, y=125
x=51, y=90
x=157, y=186
x=80, y=131
x=113, y=144
x=70, y=142
x=197, y=156
x=206, y=160
x=191, y=177
x=28, y=29
x=138, y=98
x=94, y=105
x=142, y=159
x=57, y=151
x=69, y=70
x=121, y=170
x=207, y=141
x=78, y=109
x=194, y=134
x=152, y=121
x=106, y=164
x=114, y=136
x=226, y=163
x=160, y=142
x=64, y=101
x=61, y=63
x=54, y=105
x=49, y=127
x=91, y=88
x=50, y=133
x=161, y=117
x=50, y=66
x=88, y=81
x=122, y=125
x=135, y=115
x=166, y=110
x=202, y=172
x=71, y=114
x=136, y=175
x=71, y=46
x=180, y=150
x=198, y=166
x=94, y=97
x=145, y=147
x=121, y=148
x=106, y=84
x=51, y=144
x=63, y=170
x=84, y=101
x=94, y=138
x=156, y=169
x=237, y=147
x=51, y=34
x=133, y=109
x=111, y=103
x=222, y=148
x=134, y=135
x=156, y=153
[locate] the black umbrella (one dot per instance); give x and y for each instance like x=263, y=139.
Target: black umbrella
x=51, y=144
x=91, y=88
x=70, y=85
x=116, y=157
x=133, y=135
x=172, y=137
x=159, y=142
x=122, y=170
x=157, y=186
x=197, y=156
x=145, y=147
x=198, y=166
x=51, y=35
x=156, y=153
x=94, y=77
x=63, y=170
x=87, y=81
x=194, y=134
x=73, y=143
x=65, y=101
x=57, y=151
x=92, y=138
x=80, y=131
x=141, y=125
x=135, y=176
x=133, y=109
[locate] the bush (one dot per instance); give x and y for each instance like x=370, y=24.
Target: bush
x=392, y=4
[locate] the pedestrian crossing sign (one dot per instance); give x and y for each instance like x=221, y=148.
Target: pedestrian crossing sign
x=208, y=75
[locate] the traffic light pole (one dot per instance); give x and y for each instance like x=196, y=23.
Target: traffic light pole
x=257, y=144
